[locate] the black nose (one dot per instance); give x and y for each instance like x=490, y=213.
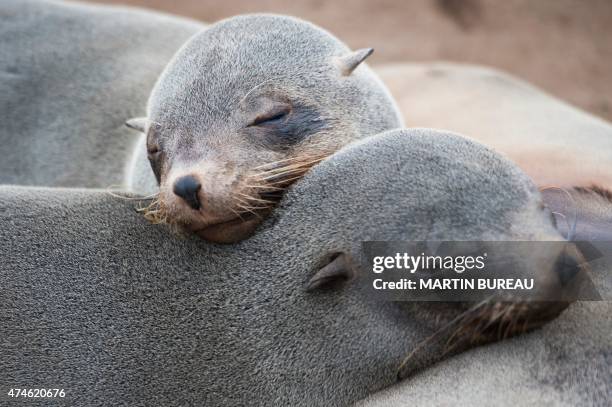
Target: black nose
x=187, y=187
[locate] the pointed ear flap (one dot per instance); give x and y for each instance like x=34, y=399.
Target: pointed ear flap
x=137, y=123
x=337, y=270
x=347, y=63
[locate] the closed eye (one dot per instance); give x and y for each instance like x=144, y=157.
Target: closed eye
x=153, y=147
x=271, y=117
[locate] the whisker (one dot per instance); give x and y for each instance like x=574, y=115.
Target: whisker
x=252, y=198
x=571, y=232
x=268, y=183
x=154, y=212
x=248, y=208
x=243, y=202
x=464, y=325
x=245, y=210
x=255, y=87
x=236, y=213
x=500, y=330
x=291, y=159
x=264, y=187
x=478, y=328
x=275, y=164
x=511, y=324
x=109, y=190
x=294, y=167
x=525, y=325
x=285, y=181
x=437, y=333
x=494, y=317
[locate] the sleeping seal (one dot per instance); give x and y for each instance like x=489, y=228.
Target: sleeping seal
x=70, y=75
x=145, y=319
x=566, y=151
x=245, y=108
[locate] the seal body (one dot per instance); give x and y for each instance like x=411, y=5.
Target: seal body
x=270, y=339
x=566, y=151
x=70, y=75
x=244, y=109
x=182, y=322
x=553, y=142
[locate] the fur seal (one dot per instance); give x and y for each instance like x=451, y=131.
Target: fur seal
x=160, y=336
x=70, y=75
x=245, y=108
x=174, y=321
x=555, y=143
x=536, y=130
x=156, y=333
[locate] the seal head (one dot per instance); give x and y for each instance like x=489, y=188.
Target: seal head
x=244, y=109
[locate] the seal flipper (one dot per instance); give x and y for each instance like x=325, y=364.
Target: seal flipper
x=339, y=269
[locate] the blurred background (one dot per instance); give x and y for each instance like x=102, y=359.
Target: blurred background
x=563, y=46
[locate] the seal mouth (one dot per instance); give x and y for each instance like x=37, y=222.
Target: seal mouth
x=230, y=231
x=267, y=191
x=480, y=324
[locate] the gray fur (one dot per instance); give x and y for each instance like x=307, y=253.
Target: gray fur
x=567, y=363
x=548, y=138
x=205, y=90
x=202, y=113
x=70, y=75
x=556, y=144
x=118, y=311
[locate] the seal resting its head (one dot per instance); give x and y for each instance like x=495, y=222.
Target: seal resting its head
x=245, y=108
x=277, y=318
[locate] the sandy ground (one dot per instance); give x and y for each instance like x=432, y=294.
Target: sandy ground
x=563, y=46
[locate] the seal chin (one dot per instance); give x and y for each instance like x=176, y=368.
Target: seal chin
x=231, y=231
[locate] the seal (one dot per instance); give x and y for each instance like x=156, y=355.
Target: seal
x=244, y=109
x=567, y=152
x=156, y=332
x=554, y=142
x=220, y=325
x=68, y=81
